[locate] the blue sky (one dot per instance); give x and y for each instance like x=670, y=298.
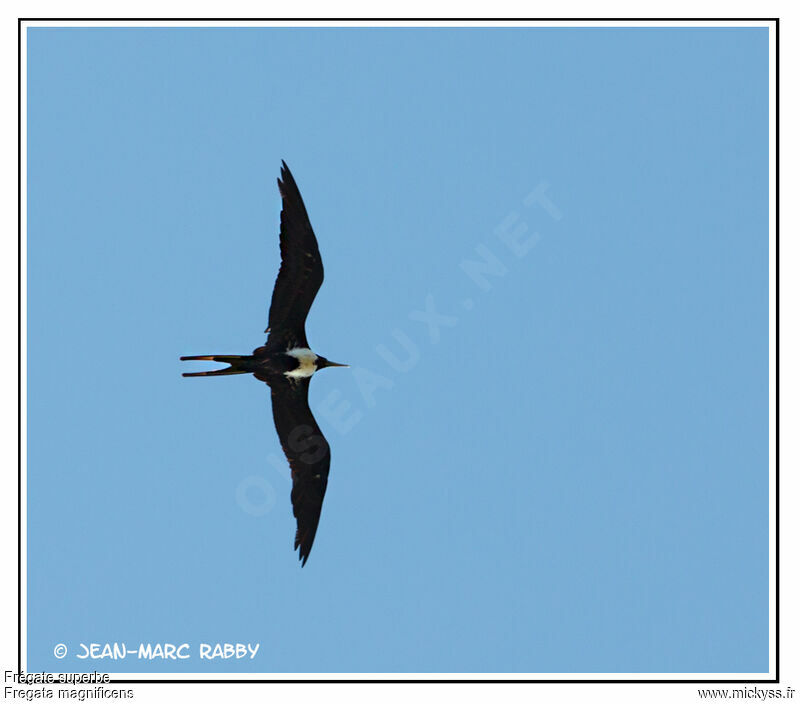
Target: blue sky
x=567, y=472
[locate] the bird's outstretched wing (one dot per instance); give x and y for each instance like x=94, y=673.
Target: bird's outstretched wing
x=308, y=453
x=301, y=272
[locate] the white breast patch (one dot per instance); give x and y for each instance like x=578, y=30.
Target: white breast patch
x=307, y=361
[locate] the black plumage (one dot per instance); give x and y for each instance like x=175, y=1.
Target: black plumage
x=301, y=272
x=286, y=364
x=309, y=457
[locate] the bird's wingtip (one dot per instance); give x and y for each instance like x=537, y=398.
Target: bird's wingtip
x=303, y=550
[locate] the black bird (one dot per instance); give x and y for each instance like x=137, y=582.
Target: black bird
x=286, y=363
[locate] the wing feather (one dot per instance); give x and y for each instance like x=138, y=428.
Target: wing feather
x=308, y=453
x=301, y=272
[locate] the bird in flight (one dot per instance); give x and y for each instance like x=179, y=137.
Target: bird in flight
x=286, y=363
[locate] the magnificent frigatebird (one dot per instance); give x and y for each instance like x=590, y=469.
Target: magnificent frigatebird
x=286, y=363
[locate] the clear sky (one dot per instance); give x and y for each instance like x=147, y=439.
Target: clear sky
x=546, y=258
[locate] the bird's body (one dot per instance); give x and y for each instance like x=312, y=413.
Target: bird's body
x=286, y=363
x=305, y=362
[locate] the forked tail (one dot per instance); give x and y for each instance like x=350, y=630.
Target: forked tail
x=234, y=360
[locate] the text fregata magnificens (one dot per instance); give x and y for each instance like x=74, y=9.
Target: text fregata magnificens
x=286, y=363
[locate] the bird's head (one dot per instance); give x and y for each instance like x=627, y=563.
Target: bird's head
x=322, y=363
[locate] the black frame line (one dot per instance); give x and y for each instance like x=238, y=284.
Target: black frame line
x=775, y=20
